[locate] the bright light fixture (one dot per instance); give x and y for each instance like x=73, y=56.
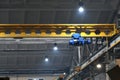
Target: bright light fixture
x=81, y=9
x=46, y=59
x=99, y=66
x=55, y=48
x=64, y=73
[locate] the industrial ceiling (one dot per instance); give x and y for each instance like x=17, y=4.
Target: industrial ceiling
x=57, y=11
x=27, y=55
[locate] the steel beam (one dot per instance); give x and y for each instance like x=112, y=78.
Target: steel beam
x=79, y=54
x=101, y=52
x=55, y=30
x=67, y=6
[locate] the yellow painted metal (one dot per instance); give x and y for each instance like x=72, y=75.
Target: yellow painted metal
x=118, y=30
x=40, y=30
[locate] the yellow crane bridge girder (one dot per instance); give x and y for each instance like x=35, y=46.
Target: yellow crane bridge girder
x=56, y=30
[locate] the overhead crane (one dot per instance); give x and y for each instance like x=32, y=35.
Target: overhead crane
x=60, y=31
x=56, y=30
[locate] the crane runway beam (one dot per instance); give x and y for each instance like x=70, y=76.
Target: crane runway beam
x=56, y=30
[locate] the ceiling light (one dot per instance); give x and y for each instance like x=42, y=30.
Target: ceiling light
x=99, y=66
x=81, y=8
x=46, y=59
x=64, y=73
x=55, y=47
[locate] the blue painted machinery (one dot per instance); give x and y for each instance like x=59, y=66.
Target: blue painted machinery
x=77, y=40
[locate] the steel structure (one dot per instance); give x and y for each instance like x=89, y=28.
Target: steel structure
x=56, y=30
x=93, y=58
x=60, y=31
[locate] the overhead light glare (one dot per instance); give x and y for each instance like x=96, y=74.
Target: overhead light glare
x=64, y=73
x=55, y=47
x=46, y=59
x=81, y=8
x=99, y=66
